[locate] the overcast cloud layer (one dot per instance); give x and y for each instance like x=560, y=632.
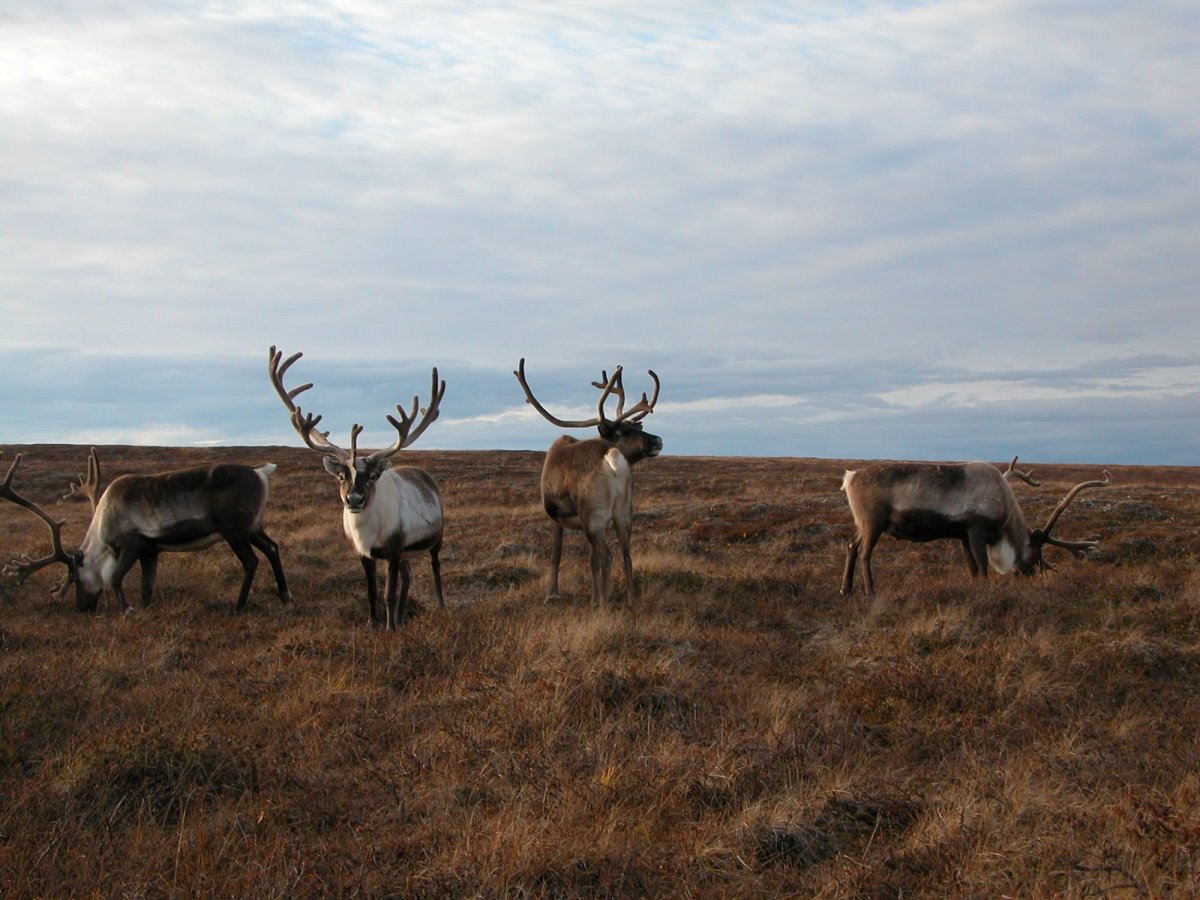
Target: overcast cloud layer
x=925, y=230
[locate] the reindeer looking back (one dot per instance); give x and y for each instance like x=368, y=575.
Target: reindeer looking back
x=588, y=485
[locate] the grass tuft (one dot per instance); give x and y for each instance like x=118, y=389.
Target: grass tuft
x=741, y=730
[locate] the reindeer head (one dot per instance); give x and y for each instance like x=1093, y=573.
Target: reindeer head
x=89, y=584
x=356, y=478
x=1030, y=559
x=625, y=431
x=634, y=442
x=356, y=475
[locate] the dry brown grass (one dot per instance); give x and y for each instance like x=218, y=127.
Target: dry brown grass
x=743, y=731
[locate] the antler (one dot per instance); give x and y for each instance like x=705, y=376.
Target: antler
x=405, y=436
x=1077, y=548
x=1026, y=477
x=89, y=485
x=304, y=423
x=607, y=385
x=1066, y=501
x=639, y=410
x=24, y=565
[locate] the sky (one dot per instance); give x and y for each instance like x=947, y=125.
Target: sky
x=918, y=230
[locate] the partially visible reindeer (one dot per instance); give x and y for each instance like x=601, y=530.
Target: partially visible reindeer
x=139, y=516
x=388, y=513
x=969, y=502
x=588, y=485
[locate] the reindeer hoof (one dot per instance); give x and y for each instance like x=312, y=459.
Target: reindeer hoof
x=555, y=597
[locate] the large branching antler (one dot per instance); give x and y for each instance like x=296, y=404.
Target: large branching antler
x=608, y=386
x=24, y=565
x=88, y=485
x=639, y=410
x=304, y=423
x=406, y=435
x=1077, y=549
x=1026, y=477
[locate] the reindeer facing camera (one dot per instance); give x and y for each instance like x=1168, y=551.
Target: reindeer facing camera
x=390, y=514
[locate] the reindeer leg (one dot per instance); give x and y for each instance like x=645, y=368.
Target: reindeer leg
x=437, y=574
x=555, y=560
x=870, y=539
x=601, y=564
x=125, y=562
x=624, y=527
x=245, y=554
x=393, y=575
x=978, y=547
x=270, y=550
x=851, y=559
x=972, y=563
x=149, y=573
x=402, y=601
x=368, y=564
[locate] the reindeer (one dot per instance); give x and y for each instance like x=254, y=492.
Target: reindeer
x=140, y=516
x=588, y=485
x=388, y=513
x=971, y=502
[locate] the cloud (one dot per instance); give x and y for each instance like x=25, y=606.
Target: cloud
x=810, y=410
x=873, y=205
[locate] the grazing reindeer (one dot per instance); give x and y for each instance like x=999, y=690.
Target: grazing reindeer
x=389, y=514
x=970, y=502
x=588, y=485
x=139, y=516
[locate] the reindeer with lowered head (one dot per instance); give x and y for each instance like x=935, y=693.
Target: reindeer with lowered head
x=588, y=485
x=969, y=502
x=393, y=514
x=137, y=517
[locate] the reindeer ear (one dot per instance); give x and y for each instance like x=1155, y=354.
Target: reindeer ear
x=608, y=430
x=334, y=466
